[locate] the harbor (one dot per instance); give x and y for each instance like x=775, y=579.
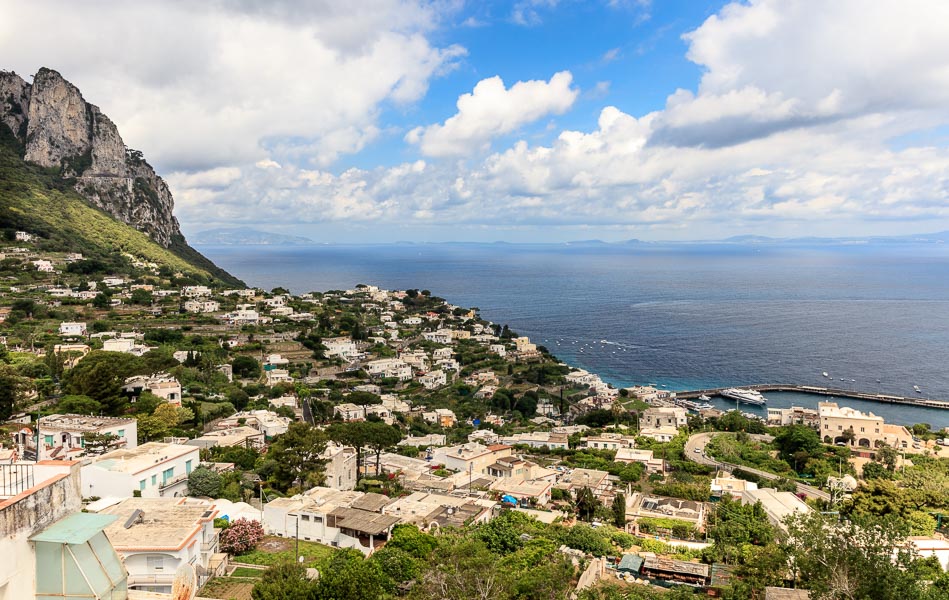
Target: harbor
x=820, y=391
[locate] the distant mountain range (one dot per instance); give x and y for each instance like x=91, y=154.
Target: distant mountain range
x=245, y=236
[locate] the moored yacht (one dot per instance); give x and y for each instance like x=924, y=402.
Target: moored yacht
x=744, y=396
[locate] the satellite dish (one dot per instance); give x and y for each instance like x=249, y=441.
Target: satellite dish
x=185, y=585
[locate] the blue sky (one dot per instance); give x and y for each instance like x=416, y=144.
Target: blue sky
x=534, y=120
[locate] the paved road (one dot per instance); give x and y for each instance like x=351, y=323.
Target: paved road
x=700, y=440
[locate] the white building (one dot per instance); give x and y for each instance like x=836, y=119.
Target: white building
x=340, y=468
x=432, y=439
x=44, y=266
x=154, y=469
x=242, y=436
x=342, y=519
x=267, y=422
x=537, y=439
x=433, y=379
x=195, y=291
x=608, y=441
x=484, y=436
x=64, y=436
x=72, y=329
x=442, y=336
x=202, y=306
x=389, y=367
x=155, y=536
x=341, y=347
x=660, y=434
x=643, y=457
x=47, y=544
x=777, y=505
x=162, y=385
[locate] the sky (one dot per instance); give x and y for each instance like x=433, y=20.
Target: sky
x=533, y=120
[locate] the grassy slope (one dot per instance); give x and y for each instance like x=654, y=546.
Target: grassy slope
x=39, y=201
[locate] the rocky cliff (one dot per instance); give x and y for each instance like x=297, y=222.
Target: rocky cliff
x=58, y=129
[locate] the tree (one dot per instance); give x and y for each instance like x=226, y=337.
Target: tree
x=78, y=405
x=380, y=436
x=463, y=568
x=204, y=482
x=245, y=367
x=242, y=536
x=95, y=443
x=349, y=576
x=141, y=297
x=9, y=391
x=860, y=558
x=619, y=511
x=296, y=456
x=586, y=504
x=284, y=581
x=796, y=439
x=585, y=538
x=167, y=414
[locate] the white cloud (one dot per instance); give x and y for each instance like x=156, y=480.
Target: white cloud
x=772, y=65
x=199, y=85
x=491, y=110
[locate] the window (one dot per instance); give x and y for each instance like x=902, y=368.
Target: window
x=141, y=485
x=188, y=467
x=48, y=439
x=121, y=433
x=154, y=479
x=155, y=563
x=305, y=517
x=167, y=474
x=861, y=430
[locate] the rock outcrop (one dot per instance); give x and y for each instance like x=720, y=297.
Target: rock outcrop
x=59, y=129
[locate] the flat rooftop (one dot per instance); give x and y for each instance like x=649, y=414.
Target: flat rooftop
x=164, y=523
x=81, y=422
x=136, y=460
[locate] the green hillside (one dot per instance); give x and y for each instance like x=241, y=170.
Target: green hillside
x=41, y=202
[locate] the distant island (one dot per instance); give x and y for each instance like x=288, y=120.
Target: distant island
x=245, y=236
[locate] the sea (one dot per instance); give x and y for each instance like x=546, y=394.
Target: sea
x=681, y=316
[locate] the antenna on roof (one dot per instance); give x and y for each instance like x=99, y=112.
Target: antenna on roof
x=138, y=516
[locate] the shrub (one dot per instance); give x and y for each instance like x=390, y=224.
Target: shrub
x=241, y=536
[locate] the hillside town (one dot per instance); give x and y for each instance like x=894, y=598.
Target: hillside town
x=155, y=426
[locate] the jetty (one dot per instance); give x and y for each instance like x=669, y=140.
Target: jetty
x=821, y=391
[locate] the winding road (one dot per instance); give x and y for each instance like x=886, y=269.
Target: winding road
x=695, y=451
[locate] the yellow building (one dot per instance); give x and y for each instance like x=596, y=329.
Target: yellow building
x=869, y=430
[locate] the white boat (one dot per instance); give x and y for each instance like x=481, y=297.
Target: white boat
x=706, y=406
x=704, y=398
x=745, y=396
x=825, y=374
x=916, y=388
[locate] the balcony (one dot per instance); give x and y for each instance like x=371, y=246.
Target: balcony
x=15, y=479
x=171, y=482
x=210, y=545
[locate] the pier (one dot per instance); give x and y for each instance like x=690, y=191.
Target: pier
x=821, y=391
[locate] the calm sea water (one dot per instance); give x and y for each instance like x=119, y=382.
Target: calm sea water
x=684, y=316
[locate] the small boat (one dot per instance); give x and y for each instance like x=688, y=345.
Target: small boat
x=706, y=406
x=917, y=390
x=704, y=398
x=825, y=374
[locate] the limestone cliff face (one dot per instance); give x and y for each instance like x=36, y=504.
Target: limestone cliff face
x=14, y=103
x=59, y=129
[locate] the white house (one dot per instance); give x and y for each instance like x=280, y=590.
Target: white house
x=44, y=266
x=195, y=291
x=63, y=437
x=72, y=329
x=269, y=423
x=340, y=467
x=442, y=336
x=660, y=434
x=434, y=379
x=155, y=536
x=498, y=349
x=202, y=306
x=341, y=347
x=154, y=469
x=389, y=367
x=342, y=519
x=162, y=385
